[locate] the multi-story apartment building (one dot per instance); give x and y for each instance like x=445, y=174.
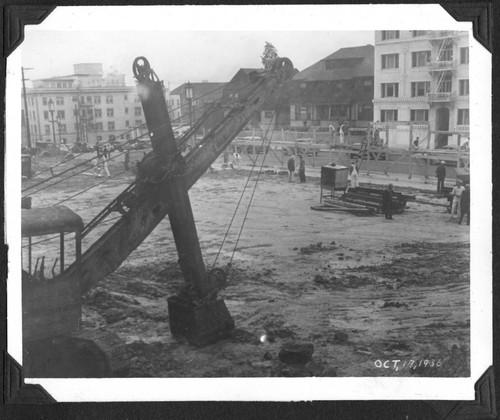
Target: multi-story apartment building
x=423, y=77
x=86, y=106
x=337, y=89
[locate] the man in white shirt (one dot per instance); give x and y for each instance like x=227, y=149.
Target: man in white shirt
x=457, y=191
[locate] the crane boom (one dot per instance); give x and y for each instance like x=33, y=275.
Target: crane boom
x=146, y=205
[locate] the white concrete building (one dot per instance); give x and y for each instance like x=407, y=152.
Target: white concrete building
x=89, y=106
x=422, y=77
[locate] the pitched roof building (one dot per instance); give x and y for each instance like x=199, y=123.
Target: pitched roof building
x=336, y=89
x=204, y=93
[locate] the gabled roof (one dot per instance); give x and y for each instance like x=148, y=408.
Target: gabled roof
x=343, y=64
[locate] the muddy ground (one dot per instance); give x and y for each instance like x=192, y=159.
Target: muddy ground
x=375, y=297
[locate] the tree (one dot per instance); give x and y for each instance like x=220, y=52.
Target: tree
x=270, y=55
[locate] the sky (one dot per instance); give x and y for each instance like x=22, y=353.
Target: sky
x=178, y=56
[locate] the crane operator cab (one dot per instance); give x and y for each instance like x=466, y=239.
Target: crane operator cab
x=53, y=343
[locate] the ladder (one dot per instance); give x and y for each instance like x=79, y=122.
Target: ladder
x=362, y=151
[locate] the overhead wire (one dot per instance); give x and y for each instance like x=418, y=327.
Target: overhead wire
x=69, y=176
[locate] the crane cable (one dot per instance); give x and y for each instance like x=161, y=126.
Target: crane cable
x=71, y=175
x=244, y=190
x=128, y=141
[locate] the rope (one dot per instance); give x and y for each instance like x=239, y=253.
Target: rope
x=89, y=188
x=70, y=169
x=243, y=193
x=70, y=176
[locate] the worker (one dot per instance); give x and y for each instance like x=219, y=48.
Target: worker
x=104, y=162
x=236, y=160
x=331, y=129
x=456, y=193
x=127, y=159
x=96, y=167
x=291, y=168
x=441, y=175
x=341, y=133
x=387, y=202
x=302, y=169
x=354, y=175
x=465, y=205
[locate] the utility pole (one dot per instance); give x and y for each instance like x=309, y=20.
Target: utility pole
x=26, y=107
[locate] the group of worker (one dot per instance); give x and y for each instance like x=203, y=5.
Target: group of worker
x=302, y=168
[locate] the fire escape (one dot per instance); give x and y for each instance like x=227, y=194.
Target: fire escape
x=84, y=113
x=442, y=67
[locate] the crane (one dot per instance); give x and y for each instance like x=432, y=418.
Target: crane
x=161, y=188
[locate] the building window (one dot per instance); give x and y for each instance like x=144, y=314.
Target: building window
x=97, y=99
x=128, y=136
x=390, y=35
x=268, y=114
x=463, y=117
x=126, y=110
x=99, y=126
x=62, y=128
x=390, y=61
x=46, y=115
x=76, y=127
x=420, y=58
x=418, y=33
x=136, y=99
x=464, y=55
x=138, y=112
x=302, y=113
x=125, y=97
x=44, y=100
x=98, y=112
x=446, y=53
x=387, y=115
x=59, y=100
x=420, y=88
x=111, y=125
x=110, y=112
x=109, y=99
x=61, y=115
x=445, y=85
x=390, y=90
x=337, y=111
x=419, y=115
x=127, y=123
x=367, y=85
x=89, y=99
x=463, y=87
x=47, y=129
x=111, y=137
x=138, y=122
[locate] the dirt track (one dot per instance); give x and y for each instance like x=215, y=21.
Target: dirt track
x=363, y=290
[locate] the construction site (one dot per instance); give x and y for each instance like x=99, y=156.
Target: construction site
x=201, y=256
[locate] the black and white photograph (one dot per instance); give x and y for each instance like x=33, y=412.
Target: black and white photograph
x=280, y=207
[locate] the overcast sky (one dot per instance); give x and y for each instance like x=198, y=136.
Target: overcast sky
x=178, y=56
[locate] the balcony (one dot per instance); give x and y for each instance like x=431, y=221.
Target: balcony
x=442, y=97
x=441, y=34
x=449, y=65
